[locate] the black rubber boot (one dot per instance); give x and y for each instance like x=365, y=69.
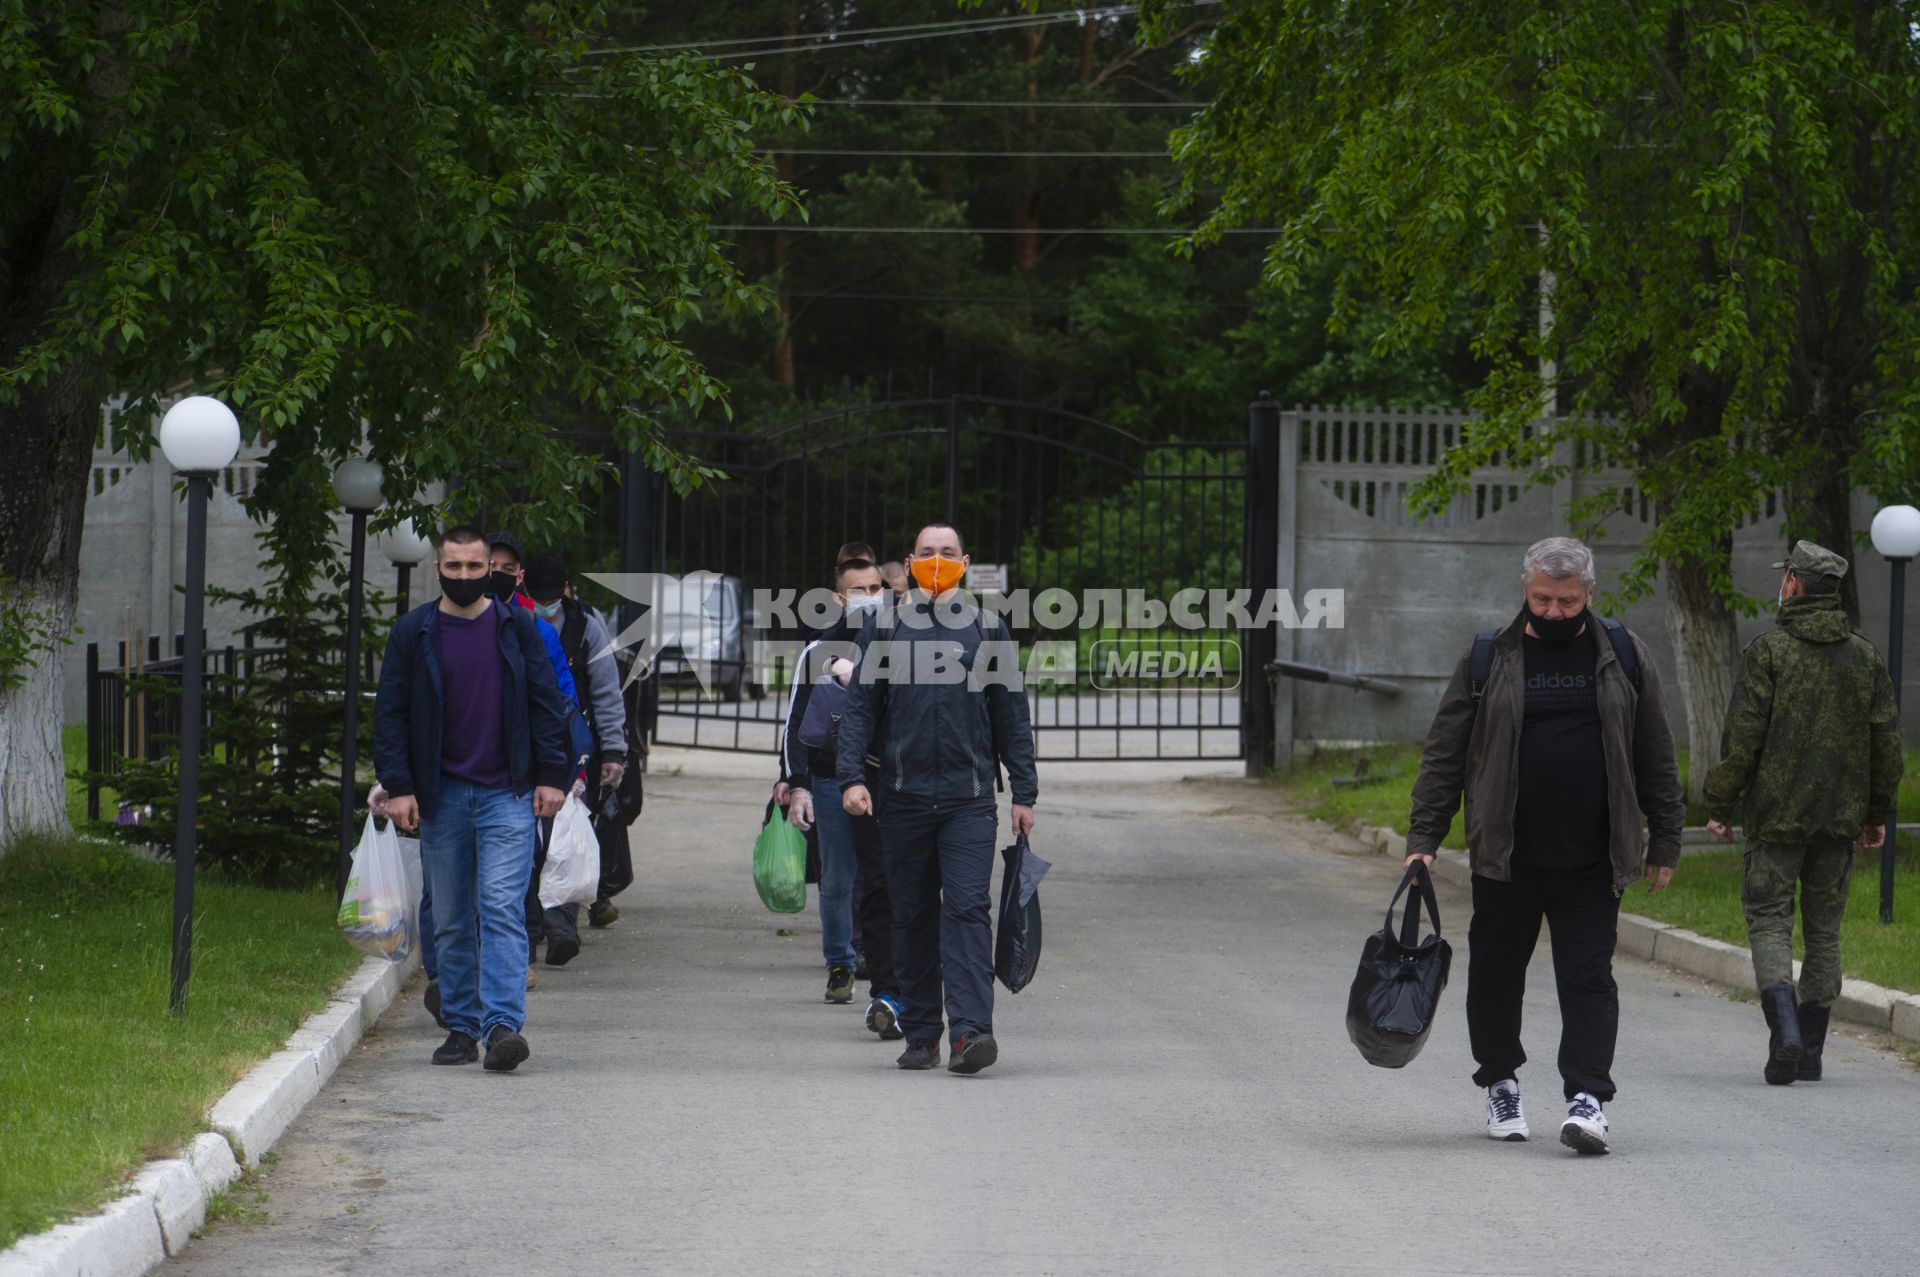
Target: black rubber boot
x=1784, y=1046
x=1813, y=1036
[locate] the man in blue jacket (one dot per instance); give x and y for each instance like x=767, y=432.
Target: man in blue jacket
x=468, y=720
x=504, y=575
x=506, y=581
x=937, y=702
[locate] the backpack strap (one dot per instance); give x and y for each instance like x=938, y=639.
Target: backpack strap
x=1623, y=649
x=1480, y=663
x=573, y=642
x=993, y=741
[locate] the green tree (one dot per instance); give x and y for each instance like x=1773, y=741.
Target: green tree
x=1697, y=216
x=436, y=222
x=1010, y=283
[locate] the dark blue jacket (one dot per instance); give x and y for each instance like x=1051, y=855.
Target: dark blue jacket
x=932, y=738
x=409, y=713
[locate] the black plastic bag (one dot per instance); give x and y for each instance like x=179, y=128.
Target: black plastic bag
x=1395, y=993
x=1016, y=950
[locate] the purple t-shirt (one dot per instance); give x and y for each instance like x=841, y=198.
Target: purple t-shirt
x=472, y=670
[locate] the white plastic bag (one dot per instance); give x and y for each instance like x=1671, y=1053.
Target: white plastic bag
x=572, y=875
x=377, y=910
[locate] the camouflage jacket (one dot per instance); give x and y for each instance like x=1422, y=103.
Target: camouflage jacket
x=1811, y=750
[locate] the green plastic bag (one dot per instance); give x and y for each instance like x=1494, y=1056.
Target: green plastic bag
x=780, y=864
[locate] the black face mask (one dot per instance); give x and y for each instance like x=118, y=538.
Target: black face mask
x=1563, y=630
x=462, y=591
x=502, y=584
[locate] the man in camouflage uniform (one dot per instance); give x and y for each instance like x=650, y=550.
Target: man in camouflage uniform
x=1811, y=755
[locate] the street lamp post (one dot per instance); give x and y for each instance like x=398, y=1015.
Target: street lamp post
x=404, y=546
x=357, y=483
x=1896, y=535
x=199, y=436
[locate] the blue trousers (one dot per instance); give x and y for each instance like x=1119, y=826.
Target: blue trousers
x=473, y=852
x=838, y=861
x=939, y=858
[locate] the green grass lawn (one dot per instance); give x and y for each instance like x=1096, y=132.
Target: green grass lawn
x=1384, y=799
x=73, y=747
x=1387, y=798
x=97, y=1077
x=1705, y=897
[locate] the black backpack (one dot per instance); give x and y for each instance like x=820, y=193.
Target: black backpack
x=1480, y=663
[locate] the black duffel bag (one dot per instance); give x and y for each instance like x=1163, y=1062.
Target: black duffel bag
x=1397, y=989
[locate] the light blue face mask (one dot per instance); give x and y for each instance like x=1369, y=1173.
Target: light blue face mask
x=862, y=603
x=548, y=611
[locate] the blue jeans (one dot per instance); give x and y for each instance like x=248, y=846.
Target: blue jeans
x=837, y=864
x=474, y=851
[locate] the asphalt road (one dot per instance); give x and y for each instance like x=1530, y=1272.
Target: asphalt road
x=1175, y=1094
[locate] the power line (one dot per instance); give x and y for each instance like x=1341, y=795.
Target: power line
x=868, y=42
x=950, y=25
x=1020, y=103
x=967, y=155
x=806, y=228
x=983, y=27
x=1011, y=300
x=886, y=35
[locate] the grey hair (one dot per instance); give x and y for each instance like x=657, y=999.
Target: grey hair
x=1559, y=558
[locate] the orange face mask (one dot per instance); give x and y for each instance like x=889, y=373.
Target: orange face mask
x=938, y=575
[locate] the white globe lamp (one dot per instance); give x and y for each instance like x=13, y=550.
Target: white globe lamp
x=356, y=481
x=1896, y=532
x=199, y=435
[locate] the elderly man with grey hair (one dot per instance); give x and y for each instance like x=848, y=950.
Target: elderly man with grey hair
x=1554, y=731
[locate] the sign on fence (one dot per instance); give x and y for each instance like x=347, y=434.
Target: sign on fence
x=987, y=578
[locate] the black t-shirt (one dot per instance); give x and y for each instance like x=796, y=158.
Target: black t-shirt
x=1560, y=818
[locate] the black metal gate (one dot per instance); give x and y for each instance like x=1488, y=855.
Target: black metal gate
x=1064, y=502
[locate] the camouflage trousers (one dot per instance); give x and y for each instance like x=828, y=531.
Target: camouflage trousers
x=1767, y=882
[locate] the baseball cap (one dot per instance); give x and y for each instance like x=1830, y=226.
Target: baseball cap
x=511, y=542
x=546, y=578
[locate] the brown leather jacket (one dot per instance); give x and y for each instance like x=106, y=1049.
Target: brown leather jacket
x=1478, y=755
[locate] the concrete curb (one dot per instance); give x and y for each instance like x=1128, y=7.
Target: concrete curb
x=136, y=1233
x=1868, y=1005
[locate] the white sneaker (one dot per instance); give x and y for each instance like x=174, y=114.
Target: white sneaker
x=1505, y=1120
x=1585, y=1130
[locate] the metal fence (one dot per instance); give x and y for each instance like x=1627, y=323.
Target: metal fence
x=133, y=708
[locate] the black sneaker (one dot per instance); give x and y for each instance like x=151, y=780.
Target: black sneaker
x=602, y=913
x=431, y=1000
x=970, y=1055
x=920, y=1055
x=839, y=985
x=506, y=1050
x=562, y=949
x=457, y=1049
x=860, y=971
